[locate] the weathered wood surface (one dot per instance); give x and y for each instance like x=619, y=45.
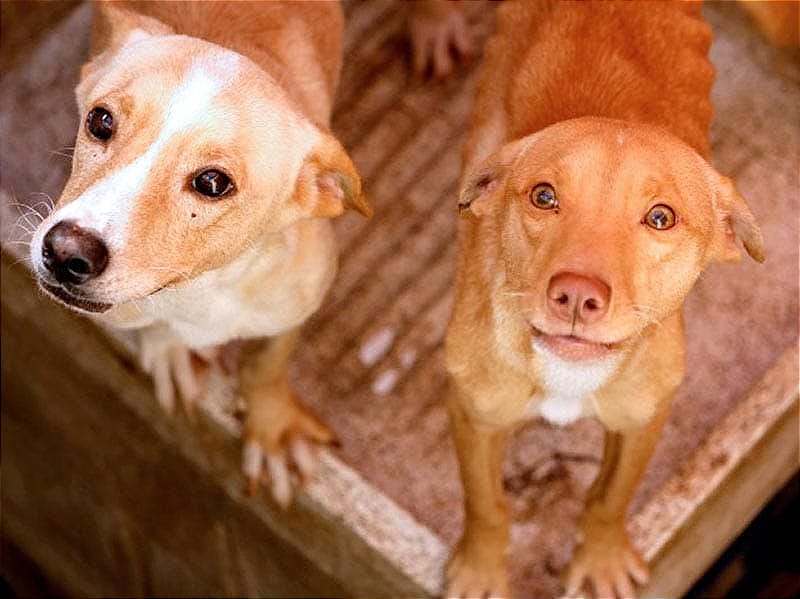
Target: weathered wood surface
x=111, y=498
x=371, y=362
x=721, y=487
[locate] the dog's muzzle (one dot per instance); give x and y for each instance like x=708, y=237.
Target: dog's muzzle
x=73, y=256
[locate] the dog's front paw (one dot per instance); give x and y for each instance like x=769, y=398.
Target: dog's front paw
x=436, y=28
x=477, y=569
x=280, y=438
x=169, y=362
x=606, y=565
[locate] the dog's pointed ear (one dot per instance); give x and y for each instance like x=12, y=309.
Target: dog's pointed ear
x=328, y=182
x=113, y=26
x=485, y=181
x=736, y=222
x=116, y=25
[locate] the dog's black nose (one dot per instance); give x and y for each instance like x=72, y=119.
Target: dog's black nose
x=74, y=255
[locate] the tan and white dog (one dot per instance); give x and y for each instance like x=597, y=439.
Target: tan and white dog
x=589, y=212
x=198, y=209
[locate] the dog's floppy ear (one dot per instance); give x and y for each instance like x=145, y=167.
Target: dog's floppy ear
x=737, y=222
x=329, y=183
x=485, y=181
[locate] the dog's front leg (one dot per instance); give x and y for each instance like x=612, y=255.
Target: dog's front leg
x=606, y=559
x=477, y=567
x=278, y=429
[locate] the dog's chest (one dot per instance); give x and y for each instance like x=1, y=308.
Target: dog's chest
x=227, y=315
x=565, y=390
x=560, y=410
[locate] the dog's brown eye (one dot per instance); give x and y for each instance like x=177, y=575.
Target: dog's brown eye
x=660, y=217
x=212, y=183
x=100, y=123
x=544, y=196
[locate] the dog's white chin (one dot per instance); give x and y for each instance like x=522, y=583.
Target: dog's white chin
x=570, y=375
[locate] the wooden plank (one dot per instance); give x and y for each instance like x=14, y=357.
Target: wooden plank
x=131, y=503
x=711, y=498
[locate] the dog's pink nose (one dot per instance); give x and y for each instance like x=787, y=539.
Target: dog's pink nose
x=577, y=298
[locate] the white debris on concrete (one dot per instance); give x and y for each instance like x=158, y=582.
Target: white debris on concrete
x=385, y=382
x=376, y=347
x=407, y=357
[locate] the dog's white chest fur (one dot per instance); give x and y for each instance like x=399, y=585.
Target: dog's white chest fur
x=566, y=389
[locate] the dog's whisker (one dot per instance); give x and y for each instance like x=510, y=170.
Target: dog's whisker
x=645, y=316
x=46, y=196
x=20, y=206
x=168, y=269
x=25, y=225
x=30, y=218
x=65, y=151
x=643, y=313
x=26, y=213
x=153, y=306
x=643, y=307
x=48, y=207
x=22, y=260
x=25, y=219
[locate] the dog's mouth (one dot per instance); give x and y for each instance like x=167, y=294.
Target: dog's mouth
x=73, y=300
x=573, y=348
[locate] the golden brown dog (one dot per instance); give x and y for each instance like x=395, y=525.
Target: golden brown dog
x=589, y=212
x=198, y=208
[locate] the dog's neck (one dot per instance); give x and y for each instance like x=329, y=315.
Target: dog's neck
x=614, y=80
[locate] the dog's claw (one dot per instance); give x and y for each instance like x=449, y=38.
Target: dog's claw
x=279, y=443
x=477, y=572
x=280, y=480
x=608, y=568
x=186, y=380
x=303, y=457
x=159, y=369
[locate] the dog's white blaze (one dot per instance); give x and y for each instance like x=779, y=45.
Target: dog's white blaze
x=106, y=206
x=569, y=386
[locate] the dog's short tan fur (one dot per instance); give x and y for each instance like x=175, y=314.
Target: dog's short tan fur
x=608, y=104
x=246, y=87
